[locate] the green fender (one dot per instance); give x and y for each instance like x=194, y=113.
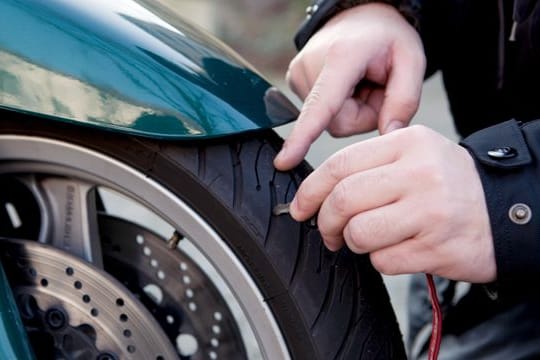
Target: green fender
x=129, y=66
x=13, y=340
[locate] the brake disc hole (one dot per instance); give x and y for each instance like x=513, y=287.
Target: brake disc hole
x=187, y=344
x=13, y=215
x=154, y=292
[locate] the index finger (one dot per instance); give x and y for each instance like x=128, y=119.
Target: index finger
x=369, y=154
x=335, y=84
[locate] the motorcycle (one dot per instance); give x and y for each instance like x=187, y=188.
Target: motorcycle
x=136, y=197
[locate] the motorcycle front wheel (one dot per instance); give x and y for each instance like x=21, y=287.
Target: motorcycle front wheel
x=279, y=293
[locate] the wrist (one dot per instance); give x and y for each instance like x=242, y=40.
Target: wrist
x=320, y=11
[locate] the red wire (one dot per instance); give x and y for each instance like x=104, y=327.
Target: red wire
x=436, y=328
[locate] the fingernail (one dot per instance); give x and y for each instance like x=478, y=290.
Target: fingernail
x=394, y=125
x=292, y=207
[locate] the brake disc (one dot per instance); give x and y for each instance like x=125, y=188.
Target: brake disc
x=182, y=298
x=84, y=311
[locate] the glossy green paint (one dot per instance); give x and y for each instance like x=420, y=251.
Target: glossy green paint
x=13, y=341
x=129, y=66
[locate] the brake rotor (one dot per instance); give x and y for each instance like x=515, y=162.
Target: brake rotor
x=85, y=312
x=190, y=309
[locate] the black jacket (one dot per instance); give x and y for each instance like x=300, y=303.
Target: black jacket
x=489, y=56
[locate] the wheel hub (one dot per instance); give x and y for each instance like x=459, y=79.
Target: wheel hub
x=83, y=310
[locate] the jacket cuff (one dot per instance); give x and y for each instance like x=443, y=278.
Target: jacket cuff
x=320, y=11
x=505, y=156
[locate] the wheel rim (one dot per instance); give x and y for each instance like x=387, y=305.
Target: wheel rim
x=35, y=155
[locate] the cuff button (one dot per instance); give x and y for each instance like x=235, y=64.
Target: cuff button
x=505, y=152
x=310, y=10
x=520, y=214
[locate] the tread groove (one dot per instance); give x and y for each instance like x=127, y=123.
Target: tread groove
x=327, y=298
x=257, y=157
x=237, y=175
x=298, y=257
x=273, y=202
x=289, y=185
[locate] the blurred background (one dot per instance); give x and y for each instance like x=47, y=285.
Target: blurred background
x=262, y=31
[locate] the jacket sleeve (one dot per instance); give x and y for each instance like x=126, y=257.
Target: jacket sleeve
x=506, y=157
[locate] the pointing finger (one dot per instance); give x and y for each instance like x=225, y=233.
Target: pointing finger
x=334, y=85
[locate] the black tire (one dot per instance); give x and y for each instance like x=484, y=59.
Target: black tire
x=328, y=305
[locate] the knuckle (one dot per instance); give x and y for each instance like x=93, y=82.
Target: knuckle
x=325, y=108
x=338, y=199
x=358, y=237
x=306, y=198
x=419, y=133
x=377, y=226
x=331, y=241
x=409, y=104
x=311, y=100
x=418, y=57
x=439, y=214
x=290, y=79
x=338, y=165
x=427, y=172
x=366, y=230
x=383, y=264
x=293, y=72
x=338, y=48
x=336, y=129
x=431, y=175
x=295, y=65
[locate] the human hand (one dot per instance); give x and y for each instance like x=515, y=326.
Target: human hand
x=411, y=198
x=364, y=69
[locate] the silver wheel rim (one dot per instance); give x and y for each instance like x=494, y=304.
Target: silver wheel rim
x=57, y=157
